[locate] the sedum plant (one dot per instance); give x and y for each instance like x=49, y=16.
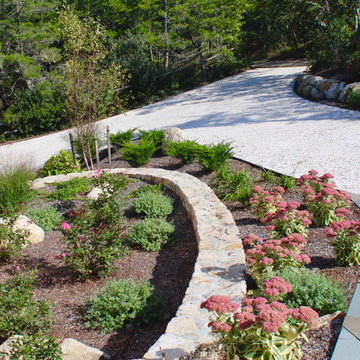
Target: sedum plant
x=153, y=205
x=150, y=234
x=260, y=329
x=345, y=237
x=325, y=203
x=123, y=302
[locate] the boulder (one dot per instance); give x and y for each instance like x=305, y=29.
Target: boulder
x=94, y=193
x=312, y=80
x=316, y=94
x=345, y=92
x=307, y=90
x=173, y=134
x=326, y=84
x=75, y=350
x=331, y=93
x=340, y=87
x=35, y=233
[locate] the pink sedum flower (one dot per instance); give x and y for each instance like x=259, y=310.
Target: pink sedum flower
x=65, y=226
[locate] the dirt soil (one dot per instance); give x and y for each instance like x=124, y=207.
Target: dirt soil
x=170, y=271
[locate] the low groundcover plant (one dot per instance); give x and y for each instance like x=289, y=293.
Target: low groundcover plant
x=260, y=329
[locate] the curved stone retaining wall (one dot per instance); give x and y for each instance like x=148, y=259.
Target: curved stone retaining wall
x=319, y=88
x=219, y=267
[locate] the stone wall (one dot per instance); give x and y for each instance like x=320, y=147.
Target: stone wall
x=318, y=88
x=219, y=268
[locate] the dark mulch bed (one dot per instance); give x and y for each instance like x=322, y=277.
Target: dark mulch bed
x=170, y=270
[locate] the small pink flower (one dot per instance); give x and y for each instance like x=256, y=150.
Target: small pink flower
x=65, y=226
x=97, y=174
x=63, y=254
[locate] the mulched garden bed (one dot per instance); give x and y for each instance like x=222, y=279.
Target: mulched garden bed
x=169, y=270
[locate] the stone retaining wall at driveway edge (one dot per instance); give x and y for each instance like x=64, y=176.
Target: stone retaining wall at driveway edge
x=219, y=268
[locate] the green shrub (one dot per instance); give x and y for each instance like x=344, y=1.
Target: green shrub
x=20, y=314
x=187, y=151
x=60, y=164
x=314, y=290
x=96, y=234
x=153, y=205
x=213, y=156
x=47, y=217
x=234, y=185
x=35, y=347
x=353, y=100
x=122, y=138
x=152, y=135
x=123, y=303
x=11, y=241
x=66, y=190
x=139, y=154
x=150, y=234
x=15, y=189
x=154, y=188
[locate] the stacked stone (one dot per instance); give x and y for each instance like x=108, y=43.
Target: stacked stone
x=316, y=87
x=219, y=268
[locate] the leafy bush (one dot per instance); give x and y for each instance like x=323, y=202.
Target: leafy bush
x=15, y=189
x=122, y=138
x=38, y=110
x=152, y=135
x=353, y=67
x=35, y=347
x=123, y=303
x=153, y=205
x=314, y=290
x=47, y=217
x=353, y=100
x=66, y=190
x=345, y=237
x=139, y=154
x=234, y=185
x=60, y=164
x=96, y=234
x=20, y=314
x=187, y=151
x=213, y=156
x=150, y=234
x=154, y=188
x=11, y=241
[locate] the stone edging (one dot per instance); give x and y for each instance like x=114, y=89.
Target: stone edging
x=319, y=88
x=219, y=267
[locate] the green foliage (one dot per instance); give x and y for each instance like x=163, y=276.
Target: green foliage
x=47, y=217
x=187, y=151
x=155, y=188
x=20, y=314
x=150, y=234
x=67, y=190
x=139, y=154
x=152, y=135
x=234, y=185
x=213, y=156
x=11, y=241
x=269, y=176
x=153, y=205
x=313, y=289
x=353, y=100
x=86, y=144
x=38, y=110
x=287, y=182
x=15, y=190
x=96, y=235
x=123, y=303
x=35, y=347
x=122, y=138
x=60, y=164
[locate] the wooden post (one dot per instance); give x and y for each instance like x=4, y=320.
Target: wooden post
x=72, y=147
x=97, y=151
x=108, y=143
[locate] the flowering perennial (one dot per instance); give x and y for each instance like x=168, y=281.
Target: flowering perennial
x=263, y=201
x=346, y=241
x=322, y=199
x=274, y=255
x=260, y=329
x=286, y=219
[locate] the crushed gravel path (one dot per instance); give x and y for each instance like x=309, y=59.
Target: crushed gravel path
x=258, y=112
